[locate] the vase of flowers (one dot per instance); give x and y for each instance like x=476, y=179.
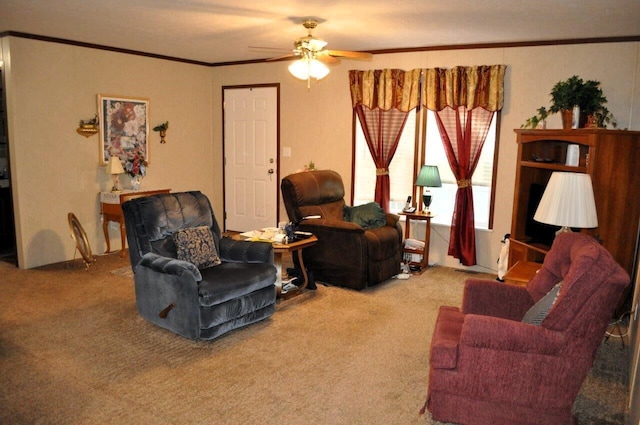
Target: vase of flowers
x=136, y=167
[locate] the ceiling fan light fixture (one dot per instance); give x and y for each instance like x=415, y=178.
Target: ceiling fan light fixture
x=306, y=68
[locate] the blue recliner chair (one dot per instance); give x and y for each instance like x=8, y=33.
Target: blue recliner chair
x=233, y=290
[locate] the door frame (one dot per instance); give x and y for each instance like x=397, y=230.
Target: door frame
x=224, y=165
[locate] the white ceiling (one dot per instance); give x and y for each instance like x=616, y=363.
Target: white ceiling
x=221, y=31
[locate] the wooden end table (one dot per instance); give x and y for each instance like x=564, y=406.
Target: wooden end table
x=522, y=272
x=111, y=209
x=420, y=216
x=295, y=248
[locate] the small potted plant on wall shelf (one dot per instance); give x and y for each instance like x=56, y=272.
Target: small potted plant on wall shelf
x=162, y=128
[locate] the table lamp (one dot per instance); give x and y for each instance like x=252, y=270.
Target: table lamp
x=428, y=177
x=115, y=169
x=567, y=202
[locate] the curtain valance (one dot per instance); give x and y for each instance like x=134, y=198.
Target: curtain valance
x=468, y=86
x=385, y=89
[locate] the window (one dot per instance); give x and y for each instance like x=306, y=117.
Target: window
x=400, y=169
x=401, y=172
x=444, y=197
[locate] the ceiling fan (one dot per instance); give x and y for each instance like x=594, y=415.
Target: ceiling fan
x=312, y=56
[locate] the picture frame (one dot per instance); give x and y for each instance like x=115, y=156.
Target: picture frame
x=124, y=128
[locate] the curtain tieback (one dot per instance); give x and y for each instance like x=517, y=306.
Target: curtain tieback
x=464, y=183
x=382, y=172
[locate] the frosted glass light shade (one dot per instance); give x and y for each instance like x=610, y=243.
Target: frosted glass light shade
x=568, y=201
x=304, y=69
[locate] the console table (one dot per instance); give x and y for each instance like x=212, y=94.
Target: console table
x=111, y=210
x=422, y=216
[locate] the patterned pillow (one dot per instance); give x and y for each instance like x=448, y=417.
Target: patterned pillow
x=538, y=312
x=196, y=245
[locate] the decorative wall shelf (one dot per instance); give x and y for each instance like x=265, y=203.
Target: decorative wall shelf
x=87, y=131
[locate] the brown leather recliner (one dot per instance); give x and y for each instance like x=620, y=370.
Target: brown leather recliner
x=346, y=254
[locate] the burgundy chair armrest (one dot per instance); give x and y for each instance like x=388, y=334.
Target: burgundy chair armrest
x=497, y=299
x=502, y=334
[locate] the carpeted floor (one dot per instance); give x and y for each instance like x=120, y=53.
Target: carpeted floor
x=73, y=350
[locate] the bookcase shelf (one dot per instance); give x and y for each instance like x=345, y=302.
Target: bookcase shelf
x=610, y=157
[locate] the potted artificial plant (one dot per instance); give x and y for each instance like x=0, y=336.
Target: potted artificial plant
x=564, y=96
x=574, y=91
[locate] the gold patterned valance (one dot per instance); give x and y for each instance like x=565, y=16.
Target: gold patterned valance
x=469, y=86
x=385, y=88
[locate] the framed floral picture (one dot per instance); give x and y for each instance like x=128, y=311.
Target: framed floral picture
x=124, y=131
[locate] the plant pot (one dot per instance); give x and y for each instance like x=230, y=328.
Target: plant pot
x=567, y=118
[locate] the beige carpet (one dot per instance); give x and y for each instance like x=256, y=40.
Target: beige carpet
x=73, y=350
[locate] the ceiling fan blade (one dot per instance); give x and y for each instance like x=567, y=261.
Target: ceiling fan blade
x=279, y=49
x=348, y=54
x=290, y=56
x=324, y=57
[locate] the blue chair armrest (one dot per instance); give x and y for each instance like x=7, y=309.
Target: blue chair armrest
x=168, y=265
x=235, y=251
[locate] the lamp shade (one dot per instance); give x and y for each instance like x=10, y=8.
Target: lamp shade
x=306, y=68
x=429, y=176
x=114, y=166
x=568, y=201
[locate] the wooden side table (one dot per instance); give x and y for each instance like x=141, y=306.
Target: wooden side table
x=420, y=216
x=278, y=250
x=295, y=248
x=522, y=272
x=111, y=209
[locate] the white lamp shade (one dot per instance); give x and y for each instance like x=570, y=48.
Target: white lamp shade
x=568, y=201
x=304, y=69
x=114, y=166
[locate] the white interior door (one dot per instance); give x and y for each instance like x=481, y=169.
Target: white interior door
x=251, y=162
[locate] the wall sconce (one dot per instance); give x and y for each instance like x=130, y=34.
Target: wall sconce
x=162, y=129
x=88, y=128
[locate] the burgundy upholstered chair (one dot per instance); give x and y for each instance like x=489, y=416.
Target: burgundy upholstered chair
x=346, y=254
x=488, y=367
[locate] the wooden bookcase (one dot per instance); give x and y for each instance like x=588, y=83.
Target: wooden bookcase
x=611, y=157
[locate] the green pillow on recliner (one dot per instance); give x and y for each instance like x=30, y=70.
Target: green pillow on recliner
x=367, y=216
